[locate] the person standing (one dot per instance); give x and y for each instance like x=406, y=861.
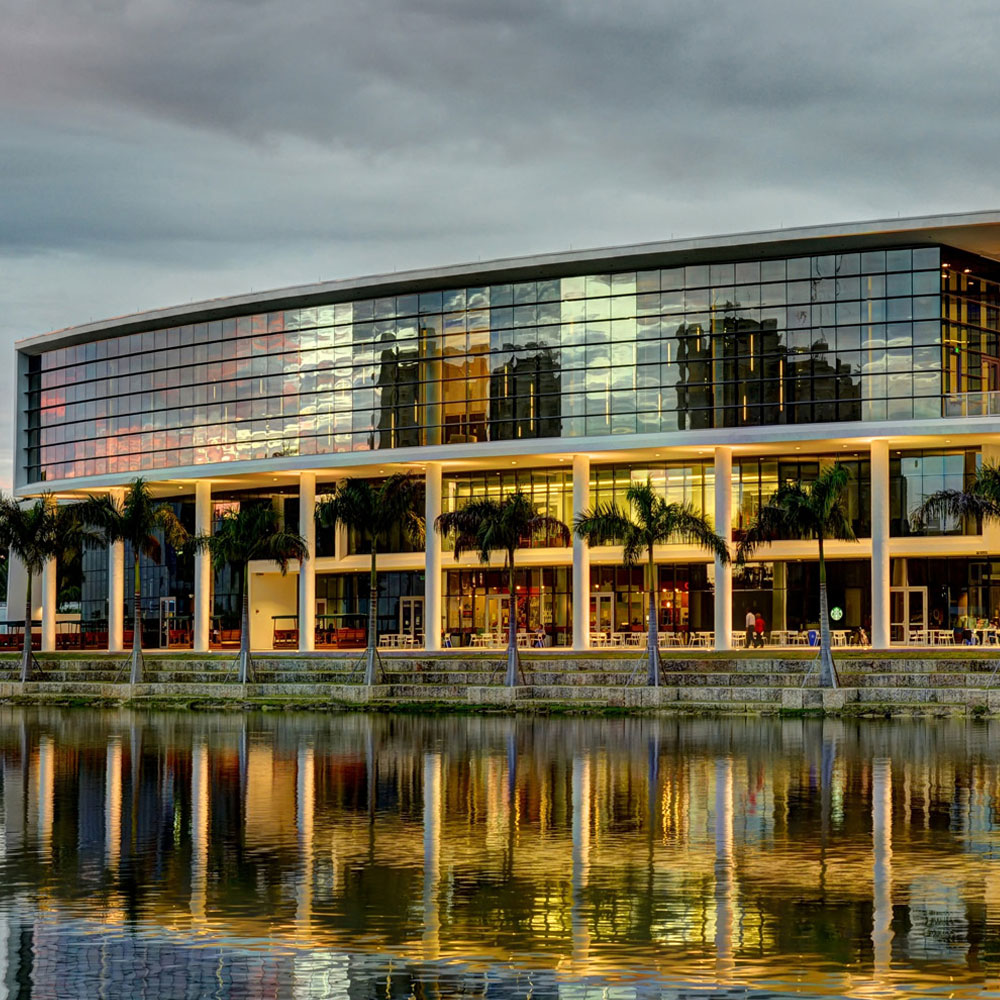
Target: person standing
x=758, y=630
x=751, y=618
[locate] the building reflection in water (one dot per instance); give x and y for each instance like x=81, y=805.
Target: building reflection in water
x=725, y=875
x=299, y=854
x=882, y=866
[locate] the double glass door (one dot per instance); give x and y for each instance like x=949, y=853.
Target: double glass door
x=168, y=612
x=602, y=612
x=497, y=614
x=411, y=617
x=907, y=615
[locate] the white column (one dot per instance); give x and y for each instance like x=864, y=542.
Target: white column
x=581, y=556
x=116, y=586
x=50, y=573
x=307, y=571
x=723, y=527
x=432, y=558
x=880, y=544
x=202, y=610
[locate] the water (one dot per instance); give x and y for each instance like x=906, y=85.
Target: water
x=183, y=855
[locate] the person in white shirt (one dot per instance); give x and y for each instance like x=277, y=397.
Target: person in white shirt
x=750, y=619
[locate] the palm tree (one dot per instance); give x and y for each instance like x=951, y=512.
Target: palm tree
x=255, y=531
x=651, y=521
x=814, y=510
x=374, y=509
x=136, y=520
x=488, y=526
x=35, y=535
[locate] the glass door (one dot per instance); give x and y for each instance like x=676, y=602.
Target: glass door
x=411, y=617
x=497, y=620
x=168, y=612
x=602, y=613
x=907, y=615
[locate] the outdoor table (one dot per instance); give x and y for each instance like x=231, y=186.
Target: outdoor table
x=838, y=638
x=705, y=639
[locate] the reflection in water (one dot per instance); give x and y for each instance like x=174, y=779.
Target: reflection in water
x=882, y=867
x=328, y=856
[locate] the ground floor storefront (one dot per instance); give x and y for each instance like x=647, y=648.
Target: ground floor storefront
x=929, y=600
x=932, y=601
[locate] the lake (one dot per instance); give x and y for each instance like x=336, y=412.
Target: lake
x=313, y=855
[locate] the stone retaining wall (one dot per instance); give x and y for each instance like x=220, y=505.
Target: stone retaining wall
x=962, y=683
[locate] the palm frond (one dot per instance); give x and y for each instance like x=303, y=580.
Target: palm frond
x=373, y=509
x=489, y=526
x=602, y=524
x=688, y=523
x=255, y=531
x=956, y=505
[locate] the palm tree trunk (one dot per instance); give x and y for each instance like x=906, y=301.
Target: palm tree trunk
x=653, y=638
x=136, y=672
x=827, y=671
x=26, y=645
x=246, y=665
x=372, y=618
x=512, y=660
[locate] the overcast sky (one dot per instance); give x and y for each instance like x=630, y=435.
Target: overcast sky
x=154, y=152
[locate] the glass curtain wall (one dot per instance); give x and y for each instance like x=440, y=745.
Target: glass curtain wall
x=807, y=339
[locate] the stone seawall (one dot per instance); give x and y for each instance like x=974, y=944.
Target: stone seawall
x=951, y=682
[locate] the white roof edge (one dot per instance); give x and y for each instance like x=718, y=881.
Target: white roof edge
x=930, y=228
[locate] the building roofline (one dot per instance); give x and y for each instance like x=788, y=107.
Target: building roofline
x=975, y=232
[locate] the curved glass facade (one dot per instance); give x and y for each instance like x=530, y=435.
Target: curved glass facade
x=853, y=336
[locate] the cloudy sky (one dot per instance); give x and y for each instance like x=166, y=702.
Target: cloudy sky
x=154, y=152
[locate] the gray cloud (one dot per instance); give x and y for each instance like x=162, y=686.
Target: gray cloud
x=154, y=151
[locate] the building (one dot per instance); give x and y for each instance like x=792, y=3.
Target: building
x=715, y=367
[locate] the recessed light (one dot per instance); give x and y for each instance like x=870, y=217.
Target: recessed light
x=797, y=448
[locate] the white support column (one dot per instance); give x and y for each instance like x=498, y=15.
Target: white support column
x=723, y=527
x=432, y=558
x=50, y=574
x=880, y=544
x=116, y=587
x=202, y=610
x=581, y=556
x=307, y=571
